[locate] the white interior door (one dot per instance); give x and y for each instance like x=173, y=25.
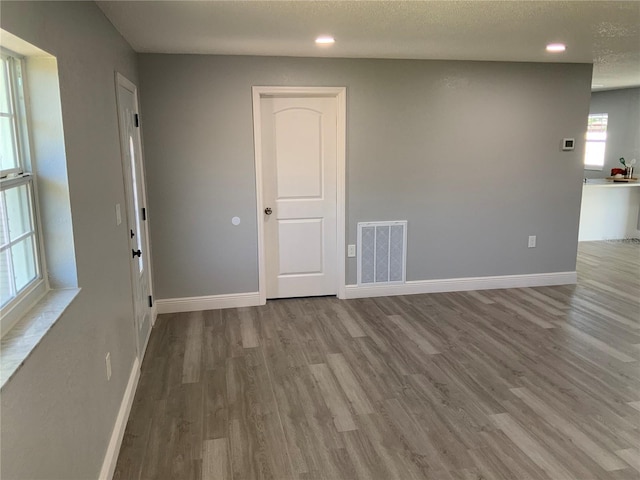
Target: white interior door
x=131, y=150
x=299, y=167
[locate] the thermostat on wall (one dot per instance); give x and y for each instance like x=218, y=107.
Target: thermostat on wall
x=568, y=143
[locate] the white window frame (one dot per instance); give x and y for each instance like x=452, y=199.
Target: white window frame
x=592, y=138
x=33, y=291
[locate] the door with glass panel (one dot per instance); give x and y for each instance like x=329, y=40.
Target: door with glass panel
x=133, y=172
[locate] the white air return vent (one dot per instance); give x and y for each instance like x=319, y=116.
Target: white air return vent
x=382, y=252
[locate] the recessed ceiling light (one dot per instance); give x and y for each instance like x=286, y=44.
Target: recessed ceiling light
x=325, y=40
x=556, y=47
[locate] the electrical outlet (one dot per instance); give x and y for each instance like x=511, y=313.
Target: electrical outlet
x=351, y=251
x=118, y=214
x=532, y=241
x=108, y=362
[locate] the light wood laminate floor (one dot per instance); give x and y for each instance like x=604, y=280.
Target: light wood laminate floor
x=531, y=383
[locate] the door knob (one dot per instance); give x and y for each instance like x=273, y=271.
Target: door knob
x=136, y=253
x=268, y=211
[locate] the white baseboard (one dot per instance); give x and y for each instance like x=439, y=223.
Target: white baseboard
x=210, y=302
x=111, y=457
x=154, y=314
x=462, y=284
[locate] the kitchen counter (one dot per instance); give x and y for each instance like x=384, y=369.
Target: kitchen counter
x=603, y=182
x=610, y=210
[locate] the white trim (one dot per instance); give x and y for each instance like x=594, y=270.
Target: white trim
x=341, y=217
x=111, y=455
x=340, y=93
x=123, y=81
x=463, y=284
x=209, y=302
x=257, y=145
x=154, y=314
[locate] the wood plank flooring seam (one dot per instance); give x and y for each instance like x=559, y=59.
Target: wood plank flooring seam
x=277, y=409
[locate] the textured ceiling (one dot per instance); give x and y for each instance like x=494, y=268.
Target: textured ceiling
x=604, y=33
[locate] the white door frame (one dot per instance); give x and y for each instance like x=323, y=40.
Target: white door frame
x=340, y=93
x=121, y=80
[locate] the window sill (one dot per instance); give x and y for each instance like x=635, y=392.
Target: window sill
x=18, y=343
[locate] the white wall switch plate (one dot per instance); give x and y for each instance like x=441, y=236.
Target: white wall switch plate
x=351, y=251
x=118, y=214
x=108, y=362
x=532, y=241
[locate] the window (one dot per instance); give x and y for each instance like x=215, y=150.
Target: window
x=596, y=141
x=35, y=207
x=20, y=267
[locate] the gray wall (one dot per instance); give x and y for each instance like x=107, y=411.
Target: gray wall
x=623, y=127
x=58, y=410
x=467, y=152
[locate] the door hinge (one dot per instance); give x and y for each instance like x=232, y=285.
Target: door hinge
x=150, y=301
x=136, y=119
x=144, y=213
